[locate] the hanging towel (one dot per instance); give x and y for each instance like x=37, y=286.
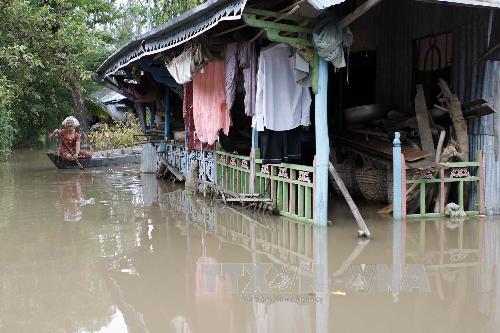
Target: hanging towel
x=209, y=103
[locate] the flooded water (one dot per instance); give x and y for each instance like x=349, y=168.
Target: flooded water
x=110, y=250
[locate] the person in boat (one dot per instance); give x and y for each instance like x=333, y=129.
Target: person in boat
x=70, y=138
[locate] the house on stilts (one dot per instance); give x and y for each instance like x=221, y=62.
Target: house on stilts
x=260, y=97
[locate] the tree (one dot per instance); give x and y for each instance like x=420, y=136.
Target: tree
x=48, y=52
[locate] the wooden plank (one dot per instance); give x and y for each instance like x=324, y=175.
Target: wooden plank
x=422, y=198
x=173, y=170
x=479, y=112
x=252, y=21
x=379, y=148
x=461, y=194
x=457, y=117
x=358, y=12
x=472, y=104
x=364, y=231
x=424, y=126
x=308, y=199
x=268, y=14
x=240, y=199
x=301, y=200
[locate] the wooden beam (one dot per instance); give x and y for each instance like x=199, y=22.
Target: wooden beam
x=490, y=52
x=173, y=170
x=363, y=229
x=253, y=21
x=245, y=25
x=278, y=15
x=358, y=12
x=278, y=18
x=424, y=126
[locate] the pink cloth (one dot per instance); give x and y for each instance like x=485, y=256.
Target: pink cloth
x=187, y=114
x=209, y=102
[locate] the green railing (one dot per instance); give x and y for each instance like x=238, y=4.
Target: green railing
x=290, y=186
x=458, y=173
x=233, y=172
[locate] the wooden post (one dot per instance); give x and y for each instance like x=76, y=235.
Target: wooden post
x=442, y=191
x=166, y=112
x=404, y=194
x=397, y=184
x=481, y=184
x=363, y=229
x=322, y=147
x=186, y=151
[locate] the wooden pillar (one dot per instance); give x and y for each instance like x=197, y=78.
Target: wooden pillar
x=397, y=189
x=166, y=112
x=322, y=147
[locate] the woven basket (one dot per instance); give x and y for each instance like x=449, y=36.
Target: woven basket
x=372, y=183
x=346, y=173
x=409, y=174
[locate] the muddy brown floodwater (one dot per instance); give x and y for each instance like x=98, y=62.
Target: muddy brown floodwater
x=110, y=250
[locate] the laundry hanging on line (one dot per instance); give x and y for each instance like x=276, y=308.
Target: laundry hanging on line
x=210, y=112
x=330, y=40
x=281, y=103
x=277, y=147
x=187, y=113
x=241, y=55
x=183, y=67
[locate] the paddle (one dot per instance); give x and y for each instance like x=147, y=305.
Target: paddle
x=71, y=151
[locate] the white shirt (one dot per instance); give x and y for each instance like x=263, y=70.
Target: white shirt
x=281, y=104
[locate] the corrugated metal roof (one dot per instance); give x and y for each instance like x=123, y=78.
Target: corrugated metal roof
x=173, y=33
x=322, y=4
x=486, y=3
x=107, y=95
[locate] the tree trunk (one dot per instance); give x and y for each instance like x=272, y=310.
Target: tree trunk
x=80, y=110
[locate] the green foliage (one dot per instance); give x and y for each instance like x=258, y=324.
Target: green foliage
x=46, y=46
x=165, y=10
x=49, y=50
x=116, y=136
x=6, y=131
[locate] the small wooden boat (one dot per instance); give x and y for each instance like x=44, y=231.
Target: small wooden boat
x=99, y=159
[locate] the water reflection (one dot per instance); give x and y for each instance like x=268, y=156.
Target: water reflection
x=136, y=261
x=71, y=195
x=211, y=234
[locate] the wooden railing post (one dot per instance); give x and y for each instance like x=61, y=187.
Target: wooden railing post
x=482, y=207
x=166, y=113
x=403, y=193
x=397, y=183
